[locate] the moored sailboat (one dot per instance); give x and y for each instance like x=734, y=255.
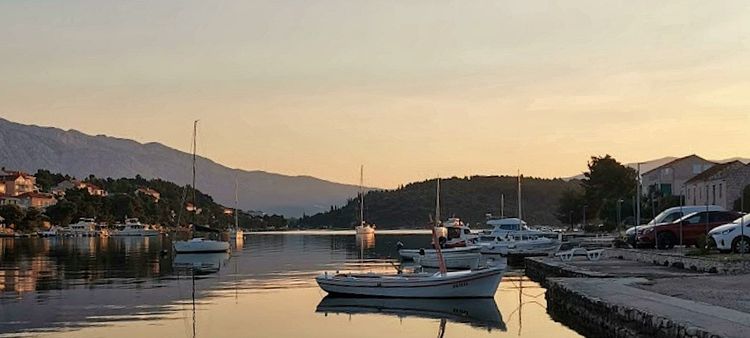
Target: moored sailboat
x=199, y=244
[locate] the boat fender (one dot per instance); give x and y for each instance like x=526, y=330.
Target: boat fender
x=421, y=252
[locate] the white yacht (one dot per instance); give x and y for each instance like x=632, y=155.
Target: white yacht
x=133, y=227
x=84, y=227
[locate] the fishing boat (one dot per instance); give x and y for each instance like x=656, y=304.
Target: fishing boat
x=477, y=312
x=133, y=227
x=199, y=244
x=362, y=228
x=482, y=282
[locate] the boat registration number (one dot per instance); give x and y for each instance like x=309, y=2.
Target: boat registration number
x=460, y=284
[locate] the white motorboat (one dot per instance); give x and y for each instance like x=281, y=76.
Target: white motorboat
x=84, y=227
x=412, y=254
x=518, y=244
x=463, y=260
x=51, y=232
x=133, y=227
x=364, y=229
x=478, y=312
x=459, y=284
x=201, y=245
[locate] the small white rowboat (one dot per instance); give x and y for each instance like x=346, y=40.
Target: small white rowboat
x=459, y=284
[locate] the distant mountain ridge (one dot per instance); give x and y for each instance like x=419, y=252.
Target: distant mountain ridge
x=29, y=147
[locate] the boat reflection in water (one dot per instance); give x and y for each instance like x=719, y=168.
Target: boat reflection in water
x=365, y=241
x=477, y=312
x=200, y=263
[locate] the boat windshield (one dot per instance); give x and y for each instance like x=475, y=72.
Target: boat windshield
x=454, y=233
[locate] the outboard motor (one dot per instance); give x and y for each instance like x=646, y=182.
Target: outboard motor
x=399, y=245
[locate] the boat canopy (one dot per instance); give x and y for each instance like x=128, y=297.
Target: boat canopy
x=507, y=223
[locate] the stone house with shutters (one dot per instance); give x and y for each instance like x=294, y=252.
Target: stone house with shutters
x=669, y=178
x=720, y=185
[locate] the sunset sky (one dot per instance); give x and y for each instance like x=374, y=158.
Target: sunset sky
x=410, y=89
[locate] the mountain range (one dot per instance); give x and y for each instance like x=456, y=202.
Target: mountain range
x=29, y=147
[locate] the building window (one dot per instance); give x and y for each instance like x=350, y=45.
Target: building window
x=713, y=193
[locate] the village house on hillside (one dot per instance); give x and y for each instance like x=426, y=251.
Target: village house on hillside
x=720, y=185
x=149, y=192
x=92, y=189
x=14, y=183
x=669, y=178
x=36, y=200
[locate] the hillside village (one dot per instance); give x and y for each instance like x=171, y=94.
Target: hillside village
x=36, y=202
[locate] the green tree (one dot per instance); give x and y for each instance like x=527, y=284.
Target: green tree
x=570, y=207
x=61, y=213
x=606, y=182
x=12, y=214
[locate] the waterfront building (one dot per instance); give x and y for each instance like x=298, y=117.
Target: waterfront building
x=720, y=185
x=14, y=183
x=669, y=178
x=36, y=200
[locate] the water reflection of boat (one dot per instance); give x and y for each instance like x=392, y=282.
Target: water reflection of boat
x=201, y=262
x=475, y=312
x=365, y=241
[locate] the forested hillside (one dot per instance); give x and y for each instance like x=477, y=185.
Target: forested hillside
x=469, y=198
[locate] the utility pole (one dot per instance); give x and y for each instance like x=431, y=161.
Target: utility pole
x=583, y=224
x=638, y=202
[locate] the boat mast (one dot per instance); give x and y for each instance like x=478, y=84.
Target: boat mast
x=236, y=201
x=361, y=196
x=195, y=150
x=435, y=239
x=519, y=198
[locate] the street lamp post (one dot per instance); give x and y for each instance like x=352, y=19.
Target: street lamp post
x=619, y=214
x=583, y=224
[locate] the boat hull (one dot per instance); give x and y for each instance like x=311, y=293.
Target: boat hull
x=463, y=284
x=206, y=246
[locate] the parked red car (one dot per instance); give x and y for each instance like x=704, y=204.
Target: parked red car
x=695, y=225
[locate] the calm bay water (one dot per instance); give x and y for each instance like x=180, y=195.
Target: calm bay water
x=128, y=287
